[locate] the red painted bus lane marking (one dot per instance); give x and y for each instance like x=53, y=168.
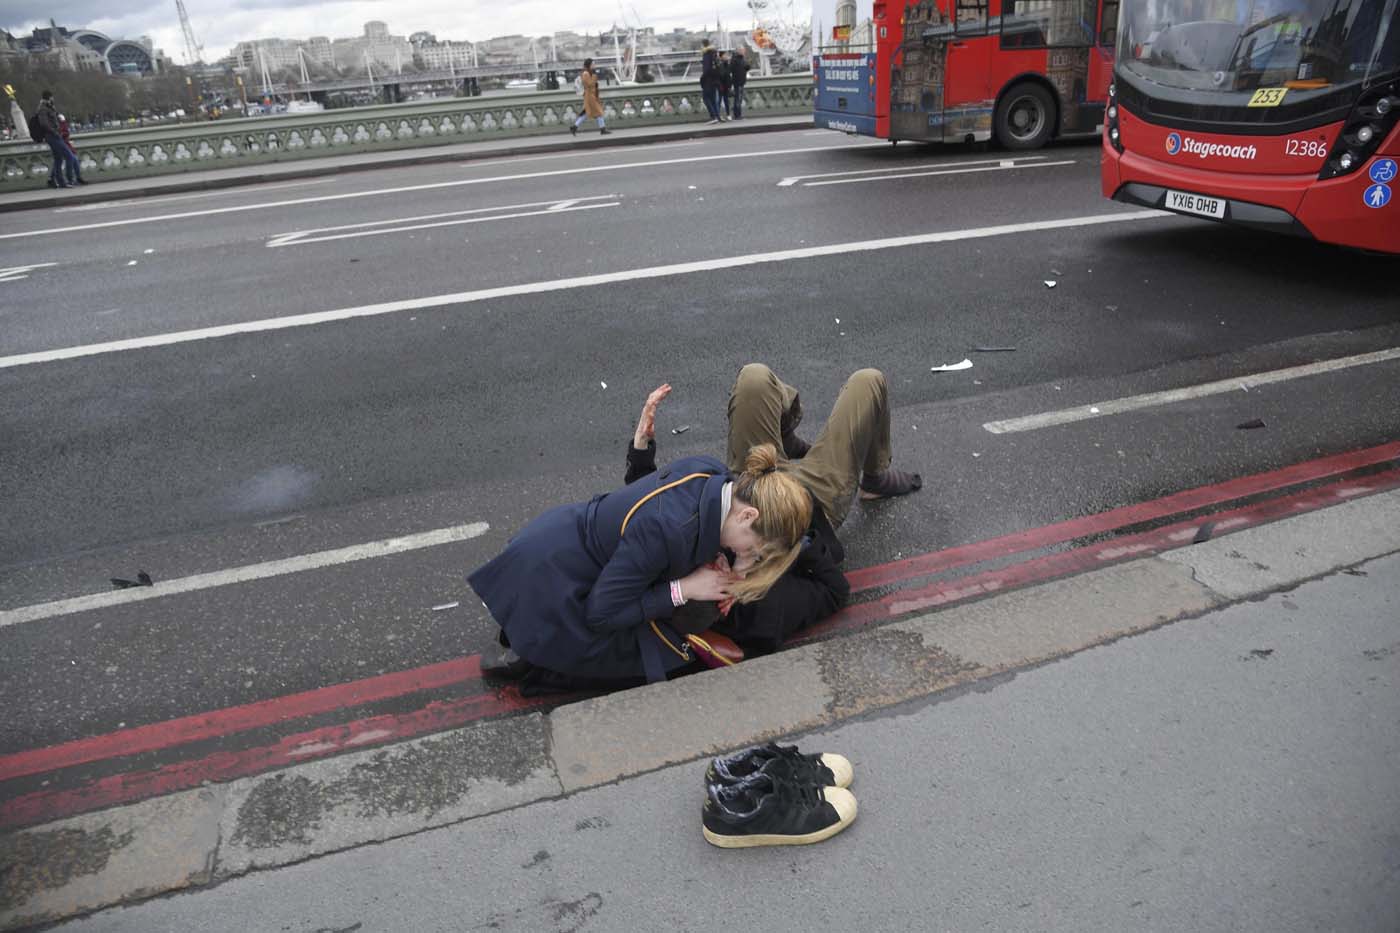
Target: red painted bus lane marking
x=1186, y=501
x=200, y=726
x=113, y=790
x=233, y=719
x=1092, y=557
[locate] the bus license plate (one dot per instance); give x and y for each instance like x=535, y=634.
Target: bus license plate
x=1196, y=204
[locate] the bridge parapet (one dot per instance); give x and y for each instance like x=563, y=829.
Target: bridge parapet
x=116, y=154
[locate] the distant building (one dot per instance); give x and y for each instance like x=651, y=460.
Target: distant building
x=86, y=50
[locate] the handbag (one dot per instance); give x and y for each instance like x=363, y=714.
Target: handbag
x=709, y=647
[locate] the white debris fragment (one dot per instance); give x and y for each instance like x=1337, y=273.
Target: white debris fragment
x=603, y=384
x=952, y=367
x=149, y=252
x=446, y=606
x=131, y=262
x=1050, y=284
x=838, y=320
x=977, y=455
x=692, y=187
x=1093, y=410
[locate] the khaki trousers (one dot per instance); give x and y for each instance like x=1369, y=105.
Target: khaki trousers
x=855, y=439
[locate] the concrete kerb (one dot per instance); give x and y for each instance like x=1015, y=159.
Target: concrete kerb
x=332, y=165
x=210, y=834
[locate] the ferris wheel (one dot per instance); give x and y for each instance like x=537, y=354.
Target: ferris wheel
x=777, y=31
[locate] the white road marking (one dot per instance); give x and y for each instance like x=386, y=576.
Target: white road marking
x=223, y=192
x=956, y=171
x=1151, y=399
x=575, y=154
x=794, y=179
x=554, y=285
x=404, y=224
x=429, y=186
x=15, y=273
x=244, y=574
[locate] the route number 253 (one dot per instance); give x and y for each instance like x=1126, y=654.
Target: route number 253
x=1307, y=148
x=1268, y=97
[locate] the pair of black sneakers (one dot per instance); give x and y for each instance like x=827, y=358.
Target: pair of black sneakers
x=773, y=795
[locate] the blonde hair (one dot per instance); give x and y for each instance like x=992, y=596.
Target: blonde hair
x=784, y=514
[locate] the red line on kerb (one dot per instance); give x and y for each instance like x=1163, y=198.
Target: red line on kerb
x=1129, y=547
x=213, y=724
x=1189, y=500
x=46, y=806
x=235, y=719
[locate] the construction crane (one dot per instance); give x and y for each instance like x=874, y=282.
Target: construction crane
x=193, y=50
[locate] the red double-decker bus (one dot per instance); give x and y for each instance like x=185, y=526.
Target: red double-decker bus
x=1282, y=115
x=1018, y=71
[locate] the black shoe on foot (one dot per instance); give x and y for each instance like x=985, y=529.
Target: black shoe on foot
x=766, y=811
x=821, y=770
x=605, y=131
x=889, y=483
x=573, y=129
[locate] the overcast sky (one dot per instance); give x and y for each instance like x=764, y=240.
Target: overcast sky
x=219, y=24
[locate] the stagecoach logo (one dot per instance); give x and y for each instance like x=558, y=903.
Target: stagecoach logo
x=1176, y=144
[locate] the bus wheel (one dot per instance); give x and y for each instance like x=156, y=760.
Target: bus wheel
x=1024, y=117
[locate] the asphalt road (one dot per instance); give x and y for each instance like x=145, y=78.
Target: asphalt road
x=267, y=444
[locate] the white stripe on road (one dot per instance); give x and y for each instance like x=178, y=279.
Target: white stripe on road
x=554, y=285
x=272, y=568
x=162, y=199
x=429, y=186
x=1151, y=399
x=574, y=154
x=1004, y=167
x=15, y=273
x=302, y=237
x=794, y=179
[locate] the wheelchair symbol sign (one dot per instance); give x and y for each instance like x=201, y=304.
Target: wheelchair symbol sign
x=1383, y=172
x=1377, y=196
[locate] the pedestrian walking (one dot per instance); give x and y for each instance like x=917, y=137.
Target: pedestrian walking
x=709, y=79
x=738, y=78
x=46, y=117
x=72, y=167
x=592, y=103
x=724, y=85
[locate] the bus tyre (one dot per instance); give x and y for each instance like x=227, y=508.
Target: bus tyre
x=1025, y=117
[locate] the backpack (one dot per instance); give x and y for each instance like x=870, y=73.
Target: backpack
x=36, y=130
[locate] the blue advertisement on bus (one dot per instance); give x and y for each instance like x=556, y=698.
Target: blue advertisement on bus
x=845, y=92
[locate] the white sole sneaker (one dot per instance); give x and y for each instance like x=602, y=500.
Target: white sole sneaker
x=841, y=800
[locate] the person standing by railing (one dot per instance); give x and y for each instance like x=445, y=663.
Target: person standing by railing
x=738, y=78
x=709, y=79
x=72, y=167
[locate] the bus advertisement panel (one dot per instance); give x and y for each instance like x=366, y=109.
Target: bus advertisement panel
x=1282, y=115
x=1018, y=71
x=845, y=97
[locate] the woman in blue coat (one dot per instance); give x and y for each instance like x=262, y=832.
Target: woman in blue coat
x=586, y=590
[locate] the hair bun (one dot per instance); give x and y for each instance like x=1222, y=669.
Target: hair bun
x=762, y=459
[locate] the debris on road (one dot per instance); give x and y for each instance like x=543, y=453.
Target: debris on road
x=603, y=384
x=1111, y=307
x=1050, y=284
x=680, y=430
x=952, y=367
x=149, y=252
x=142, y=579
x=1250, y=425
x=993, y=349
x=131, y=262
x=1056, y=272
x=1203, y=533
x=446, y=606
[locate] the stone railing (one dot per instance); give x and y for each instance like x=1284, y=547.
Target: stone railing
x=188, y=147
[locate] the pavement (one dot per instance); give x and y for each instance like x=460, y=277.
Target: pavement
x=98, y=192
x=1202, y=739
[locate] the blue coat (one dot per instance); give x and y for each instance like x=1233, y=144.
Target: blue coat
x=574, y=595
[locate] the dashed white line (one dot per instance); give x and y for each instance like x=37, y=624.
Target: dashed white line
x=955, y=171
x=1152, y=399
x=1005, y=163
x=273, y=568
x=404, y=224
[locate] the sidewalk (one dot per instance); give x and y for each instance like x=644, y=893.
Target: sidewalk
x=1235, y=770
x=331, y=165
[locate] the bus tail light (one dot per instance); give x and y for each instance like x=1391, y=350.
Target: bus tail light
x=1371, y=121
x=1111, y=119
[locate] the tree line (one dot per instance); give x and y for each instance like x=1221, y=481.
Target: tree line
x=89, y=98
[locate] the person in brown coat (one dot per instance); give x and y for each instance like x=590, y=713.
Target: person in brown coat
x=592, y=103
